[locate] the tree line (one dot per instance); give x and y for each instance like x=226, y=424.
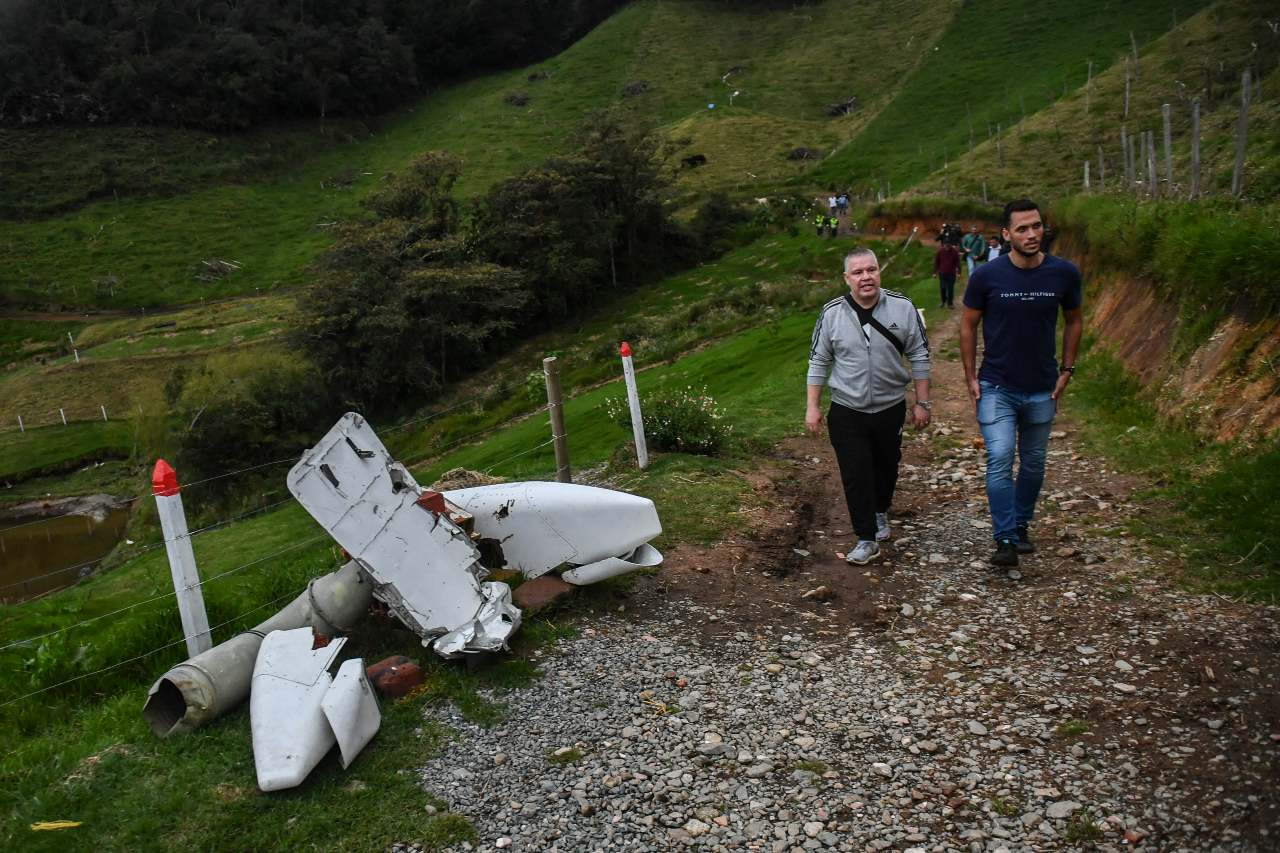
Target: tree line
x=226, y=64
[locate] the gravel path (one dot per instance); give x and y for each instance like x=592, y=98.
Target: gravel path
x=951, y=732
x=923, y=703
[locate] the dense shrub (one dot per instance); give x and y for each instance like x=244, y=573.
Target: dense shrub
x=244, y=408
x=679, y=421
x=719, y=224
x=585, y=225
x=1197, y=252
x=400, y=304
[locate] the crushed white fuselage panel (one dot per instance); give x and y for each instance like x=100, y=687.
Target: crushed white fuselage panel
x=425, y=568
x=352, y=710
x=295, y=712
x=544, y=525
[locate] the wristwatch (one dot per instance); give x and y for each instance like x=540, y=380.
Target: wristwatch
x=1065, y=369
x=927, y=404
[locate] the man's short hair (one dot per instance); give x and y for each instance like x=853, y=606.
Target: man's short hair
x=859, y=252
x=1018, y=206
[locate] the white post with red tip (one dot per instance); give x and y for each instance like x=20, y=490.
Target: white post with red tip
x=182, y=559
x=633, y=398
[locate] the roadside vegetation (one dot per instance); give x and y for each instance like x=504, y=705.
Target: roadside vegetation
x=1211, y=500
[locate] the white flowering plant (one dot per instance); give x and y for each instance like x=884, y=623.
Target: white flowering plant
x=684, y=420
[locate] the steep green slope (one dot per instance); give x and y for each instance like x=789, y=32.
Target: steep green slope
x=1203, y=58
x=998, y=62
x=145, y=250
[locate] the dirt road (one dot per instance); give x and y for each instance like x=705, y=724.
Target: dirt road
x=1171, y=692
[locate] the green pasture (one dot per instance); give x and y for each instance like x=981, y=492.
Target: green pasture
x=996, y=64
x=144, y=248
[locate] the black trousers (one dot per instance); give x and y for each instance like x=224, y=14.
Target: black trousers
x=868, y=449
x=947, y=288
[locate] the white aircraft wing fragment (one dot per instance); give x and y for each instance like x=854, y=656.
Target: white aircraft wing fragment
x=424, y=567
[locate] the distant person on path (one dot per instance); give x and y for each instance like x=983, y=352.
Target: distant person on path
x=821, y=222
x=993, y=248
x=946, y=266
x=831, y=205
x=1015, y=395
x=975, y=248
x=833, y=226
x=858, y=349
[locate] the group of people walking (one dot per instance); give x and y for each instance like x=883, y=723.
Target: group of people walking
x=828, y=223
x=972, y=249
x=870, y=345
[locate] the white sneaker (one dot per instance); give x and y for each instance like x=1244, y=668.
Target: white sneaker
x=882, y=526
x=864, y=552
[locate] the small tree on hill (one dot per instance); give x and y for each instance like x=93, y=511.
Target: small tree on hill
x=581, y=224
x=399, y=306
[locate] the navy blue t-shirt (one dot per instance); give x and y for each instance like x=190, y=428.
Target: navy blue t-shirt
x=1020, y=319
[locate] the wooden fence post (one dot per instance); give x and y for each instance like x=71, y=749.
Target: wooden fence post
x=1153, y=182
x=1088, y=87
x=1168, y=145
x=1195, y=148
x=1242, y=135
x=1124, y=155
x=1102, y=170
x=555, y=408
x=1086, y=175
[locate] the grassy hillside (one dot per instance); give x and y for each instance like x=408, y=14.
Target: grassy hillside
x=1202, y=58
x=998, y=62
x=143, y=249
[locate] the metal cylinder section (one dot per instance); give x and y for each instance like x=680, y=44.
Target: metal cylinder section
x=211, y=683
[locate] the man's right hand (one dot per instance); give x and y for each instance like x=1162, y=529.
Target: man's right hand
x=812, y=420
x=975, y=391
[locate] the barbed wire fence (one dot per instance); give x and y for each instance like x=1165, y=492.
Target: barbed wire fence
x=166, y=601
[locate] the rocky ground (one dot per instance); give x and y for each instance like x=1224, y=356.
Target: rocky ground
x=764, y=695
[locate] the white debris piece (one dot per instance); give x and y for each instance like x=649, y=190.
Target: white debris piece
x=351, y=709
x=602, y=533
x=425, y=567
x=296, y=714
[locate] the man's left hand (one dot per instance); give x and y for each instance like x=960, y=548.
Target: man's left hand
x=1063, y=379
x=920, y=416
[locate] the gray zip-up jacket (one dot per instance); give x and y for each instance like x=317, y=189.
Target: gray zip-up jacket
x=866, y=372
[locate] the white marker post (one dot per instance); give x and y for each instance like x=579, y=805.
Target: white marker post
x=633, y=398
x=182, y=559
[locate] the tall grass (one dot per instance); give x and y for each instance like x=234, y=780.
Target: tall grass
x=1206, y=254
x=1213, y=502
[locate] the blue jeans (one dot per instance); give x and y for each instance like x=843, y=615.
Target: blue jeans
x=1013, y=420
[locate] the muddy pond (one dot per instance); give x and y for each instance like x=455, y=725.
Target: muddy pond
x=39, y=555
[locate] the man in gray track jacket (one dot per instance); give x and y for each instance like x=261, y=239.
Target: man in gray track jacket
x=859, y=345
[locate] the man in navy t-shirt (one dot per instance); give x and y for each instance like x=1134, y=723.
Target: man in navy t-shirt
x=1016, y=299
